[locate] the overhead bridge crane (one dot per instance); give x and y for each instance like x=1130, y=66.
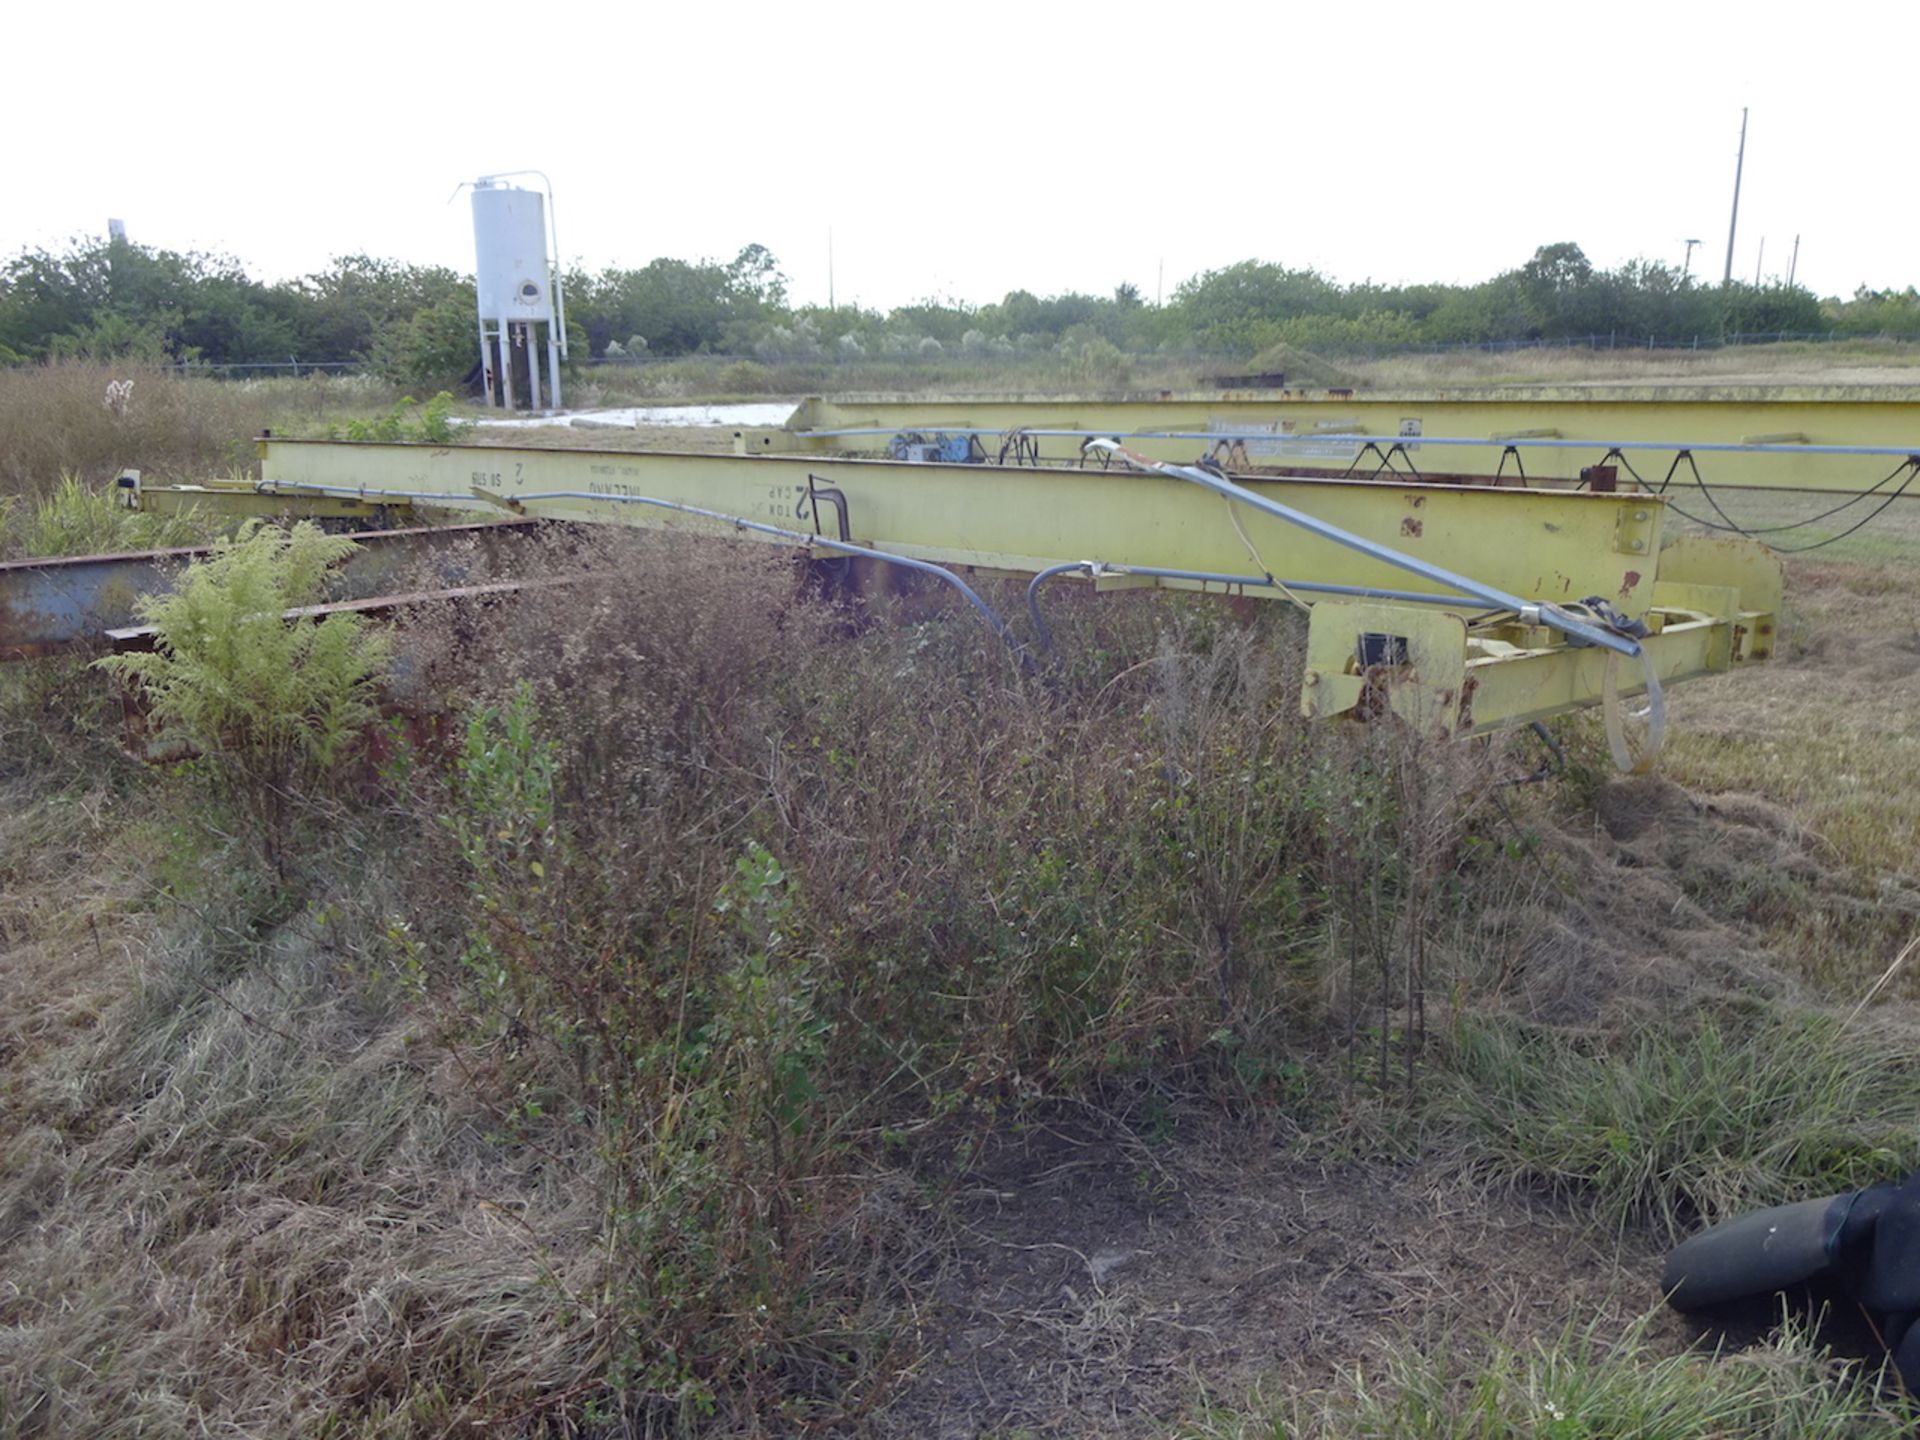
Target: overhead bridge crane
x=1461, y=609
x=1464, y=583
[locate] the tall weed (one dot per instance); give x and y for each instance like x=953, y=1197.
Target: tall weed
x=740, y=891
x=62, y=419
x=75, y=518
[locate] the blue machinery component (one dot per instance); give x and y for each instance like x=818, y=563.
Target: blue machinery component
x=959, y=448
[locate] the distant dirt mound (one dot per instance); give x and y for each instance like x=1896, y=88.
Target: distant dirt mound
x=1722, y=840
x=1629, y=809
x=1877, y=660
x=1303, y=368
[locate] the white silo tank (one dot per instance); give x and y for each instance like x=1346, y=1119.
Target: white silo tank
x=516, y=284
x=510, y=253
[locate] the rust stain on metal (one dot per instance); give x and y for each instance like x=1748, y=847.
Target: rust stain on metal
x=1375, y=699
x=1411, y=526
x=143, y=637
x=15, y=627
x=1628, y=581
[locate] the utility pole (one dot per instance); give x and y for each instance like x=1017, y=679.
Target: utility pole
x=1687, y=268
x=116, y=243
x=1793, y=265
x=1759, y=262
x=1733, y=224
x=830, y=304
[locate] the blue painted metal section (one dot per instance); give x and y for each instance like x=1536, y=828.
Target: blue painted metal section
x=52, y=605
x=49, y=605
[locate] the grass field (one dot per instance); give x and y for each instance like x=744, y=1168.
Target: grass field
x=706, y=1011
x=1792, y=363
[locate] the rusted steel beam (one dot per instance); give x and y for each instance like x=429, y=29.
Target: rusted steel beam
x=144, y=744
x=51, y=605
x=126, y=638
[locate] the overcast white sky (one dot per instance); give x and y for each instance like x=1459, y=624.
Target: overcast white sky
x=965, y=149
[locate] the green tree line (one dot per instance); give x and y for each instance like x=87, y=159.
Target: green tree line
x=415, y=323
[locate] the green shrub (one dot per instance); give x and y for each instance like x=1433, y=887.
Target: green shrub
x=436, y=425
x=696, y=1075
x=77, y=519
x=1678, y=1126
x=274, y=707
x=747, y=377
x=435, y=345
x=763, y=916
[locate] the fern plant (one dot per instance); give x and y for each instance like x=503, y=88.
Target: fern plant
x=274, y=706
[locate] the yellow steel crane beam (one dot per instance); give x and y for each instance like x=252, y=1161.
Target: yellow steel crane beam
x=1551, y=433
x=1543, y=545
x=1446, y=664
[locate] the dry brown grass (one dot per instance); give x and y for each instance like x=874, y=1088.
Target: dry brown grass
x=1833, y=748
x=272, y=1171
x=1826, y=732
x=429, y=1136
x=57, y=419
x=1844, y=363
x=213, y=1219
